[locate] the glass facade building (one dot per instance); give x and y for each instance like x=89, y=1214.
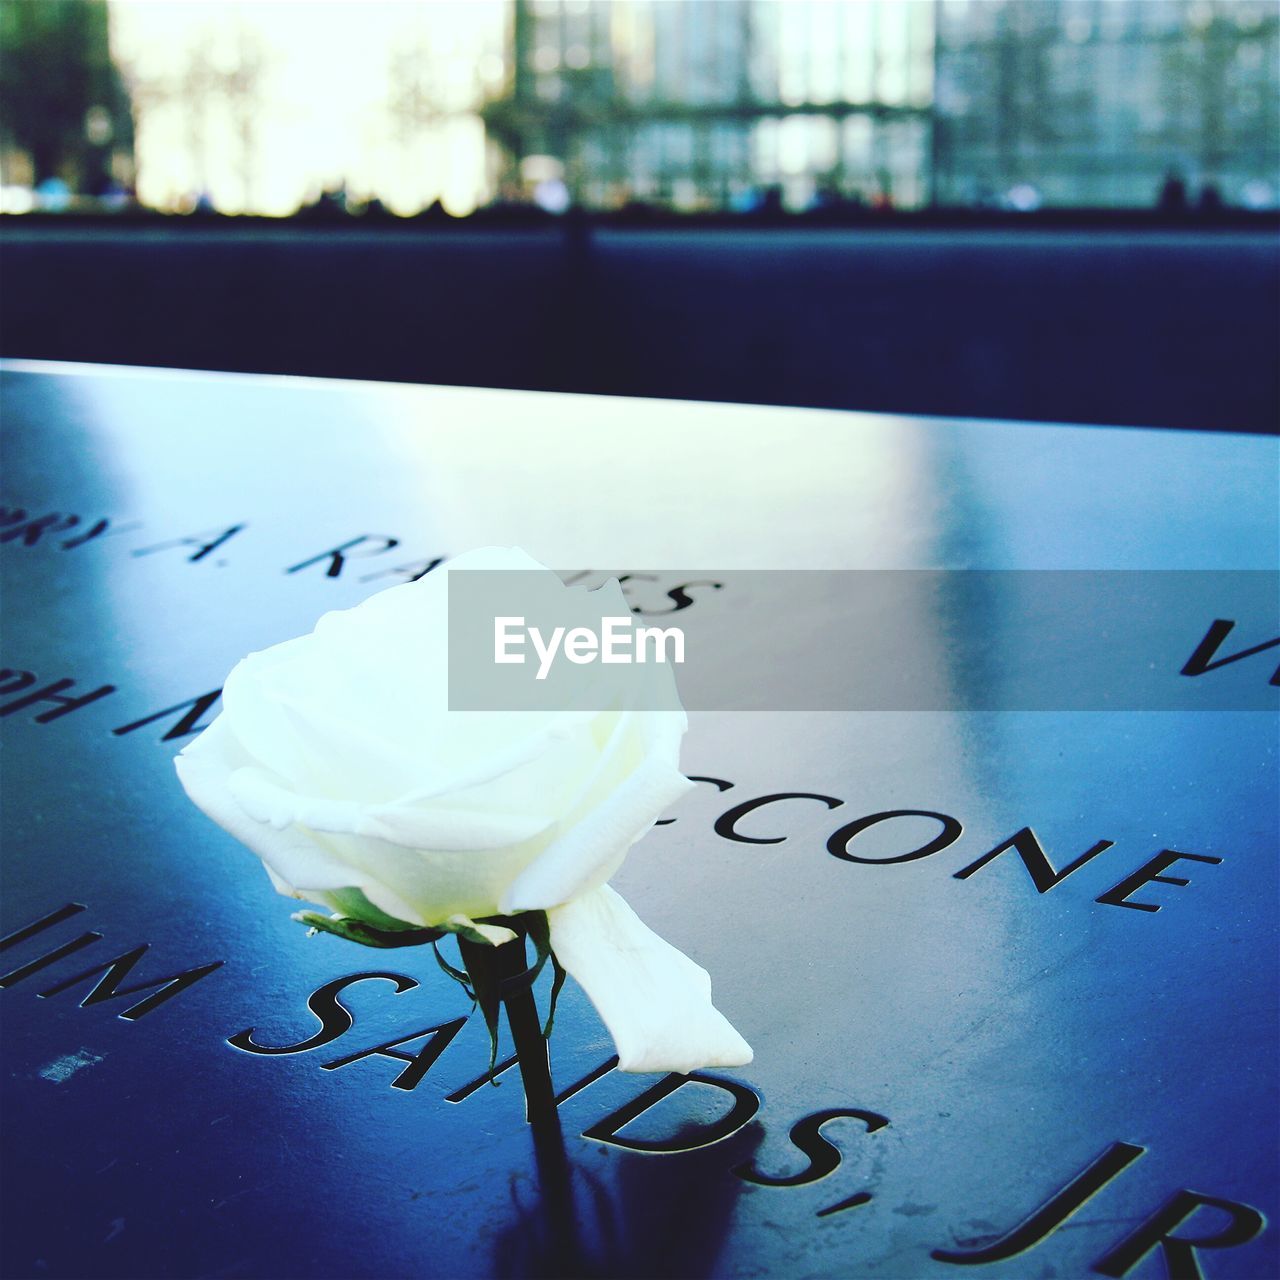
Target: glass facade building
x=1098, y=102
x=710, y=105
x=718, y=103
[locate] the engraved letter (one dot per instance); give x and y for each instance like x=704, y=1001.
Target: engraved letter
x=337, y=555
x=838, y=845
x=38, y=926
x=419, y=1063
x=409, y=572
x=824, y=1156
x=727, y=823
x=1180, y=1251
x=1054, y=1212
x=1201, y=661
x=32, y=529
x=334, y=1016
x=108, y=986
x=1148, y=872
x=190, y=722
x=1043, y=876
x=745, y=1105
x=14, y=976
x=11, y=679
x=53, y=693
x=204, y=543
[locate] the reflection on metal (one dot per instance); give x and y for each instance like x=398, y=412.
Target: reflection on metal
x=975, y=1039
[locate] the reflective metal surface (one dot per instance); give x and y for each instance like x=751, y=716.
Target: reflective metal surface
x=945, y=1042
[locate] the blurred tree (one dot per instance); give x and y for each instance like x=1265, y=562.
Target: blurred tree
x=62, y=100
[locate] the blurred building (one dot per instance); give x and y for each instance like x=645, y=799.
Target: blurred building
x=66, y=127
x=1099, y=102
x=722, y=103
x=699, y=104
x=687, y=104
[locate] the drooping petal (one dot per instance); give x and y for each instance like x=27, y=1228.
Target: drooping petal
x=654, y=1000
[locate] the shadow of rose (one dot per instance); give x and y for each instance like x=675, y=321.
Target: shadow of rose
x=643, y=1214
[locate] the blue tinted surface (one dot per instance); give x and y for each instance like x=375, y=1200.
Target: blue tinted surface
x=1008, y=1036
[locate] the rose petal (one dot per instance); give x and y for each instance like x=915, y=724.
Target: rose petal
x=298, y=864
x=204, y=767
x=591, y=850
x=494, y=934
x=655, y=1001
x=356, y=707
x=427, y=828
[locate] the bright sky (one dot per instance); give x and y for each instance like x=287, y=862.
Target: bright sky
x=323, y=110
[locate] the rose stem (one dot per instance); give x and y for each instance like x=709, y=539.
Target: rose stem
x=526, y=1031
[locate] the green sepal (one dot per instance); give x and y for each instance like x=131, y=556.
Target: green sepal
x=560, y=974
x=480, y=979
x=458, y=975
x=366, y=934
x=538, y=927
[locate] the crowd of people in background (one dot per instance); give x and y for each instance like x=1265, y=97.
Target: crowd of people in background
x=1175, y=198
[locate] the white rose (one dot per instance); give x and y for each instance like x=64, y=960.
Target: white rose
x=337, y=761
